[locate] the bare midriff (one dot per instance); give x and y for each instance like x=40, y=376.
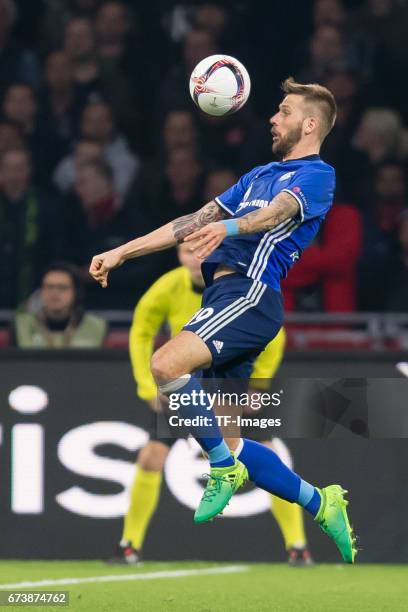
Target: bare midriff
x=223, y=270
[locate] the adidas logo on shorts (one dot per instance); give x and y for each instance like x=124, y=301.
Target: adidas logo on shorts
x=218, y=345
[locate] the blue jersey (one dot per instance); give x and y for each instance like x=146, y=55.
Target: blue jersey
x=267, y=256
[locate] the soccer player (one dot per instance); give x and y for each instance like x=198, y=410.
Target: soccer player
x=172, y=300
x=247, y=239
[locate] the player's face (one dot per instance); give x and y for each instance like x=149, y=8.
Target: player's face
x=287, y=125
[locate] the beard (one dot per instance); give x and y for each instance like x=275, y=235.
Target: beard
x=285, y=144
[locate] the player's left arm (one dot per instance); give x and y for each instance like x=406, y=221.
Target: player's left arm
x=283, y=206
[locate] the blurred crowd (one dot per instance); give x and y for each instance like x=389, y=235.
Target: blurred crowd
x=100, y=141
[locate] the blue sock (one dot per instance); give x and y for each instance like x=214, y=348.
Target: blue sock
x=268, y=472
x=208, y=435
x=309, y=497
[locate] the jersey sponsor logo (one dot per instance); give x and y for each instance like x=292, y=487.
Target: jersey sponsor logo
x=258, y=203
x=286, y=176
x=218, y=345
x=248, y=191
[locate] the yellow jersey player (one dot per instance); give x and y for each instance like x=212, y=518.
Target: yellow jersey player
x=173, y=299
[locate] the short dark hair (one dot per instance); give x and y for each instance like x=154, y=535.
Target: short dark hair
x=316, y=94
x=68, y=268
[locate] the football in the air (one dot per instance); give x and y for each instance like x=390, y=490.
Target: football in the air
x=220, y=85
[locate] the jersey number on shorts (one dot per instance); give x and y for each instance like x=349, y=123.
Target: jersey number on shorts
x=201, y=315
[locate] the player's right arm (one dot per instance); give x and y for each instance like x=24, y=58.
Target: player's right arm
x=162, y=238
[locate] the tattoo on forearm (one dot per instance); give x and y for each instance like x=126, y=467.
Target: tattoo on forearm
x=183, y=226
x=283, y=206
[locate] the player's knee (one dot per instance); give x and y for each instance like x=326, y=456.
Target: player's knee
x=153, y=456
x=160, y=367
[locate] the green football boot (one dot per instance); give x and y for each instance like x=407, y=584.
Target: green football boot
x=333, y=520
x=221, y=486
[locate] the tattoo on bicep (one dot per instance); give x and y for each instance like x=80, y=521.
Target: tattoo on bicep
x=283, y=206
x=183, y=226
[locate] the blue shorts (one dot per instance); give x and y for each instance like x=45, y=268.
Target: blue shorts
x=238, y=318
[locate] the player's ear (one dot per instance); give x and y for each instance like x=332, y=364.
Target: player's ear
x=310, y=124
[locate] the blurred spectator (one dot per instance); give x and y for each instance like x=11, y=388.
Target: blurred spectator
x=337, y=149
x=175, y=191
x=60, y=320
x=112, y=26
x=325, y=278
x=20, y=105
x=241, y=139
x=371, y=15
x=179, y=130
x=328, y=50
x=381, y=135
x=16, y=63
x=397, y=284
x=198, y=44
x=167, y=189
x=390, y=194
x=29, y=229
x=79, y=47
x=329, y=12
x=344, y=85
x=91, y=212
x=60, y=106
x=98, y=125
x=10, y=137
x=384, y=26
x=102, y=79
x=91, y=217
x=85, y=151
x=217, y=181
x=56, y=16
x=211, y=18
x=227, y=26
x=383, y=208
x=184, y=174
x=93, y=224
x=120, y=45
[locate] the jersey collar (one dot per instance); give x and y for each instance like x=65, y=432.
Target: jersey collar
x=312, y=157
